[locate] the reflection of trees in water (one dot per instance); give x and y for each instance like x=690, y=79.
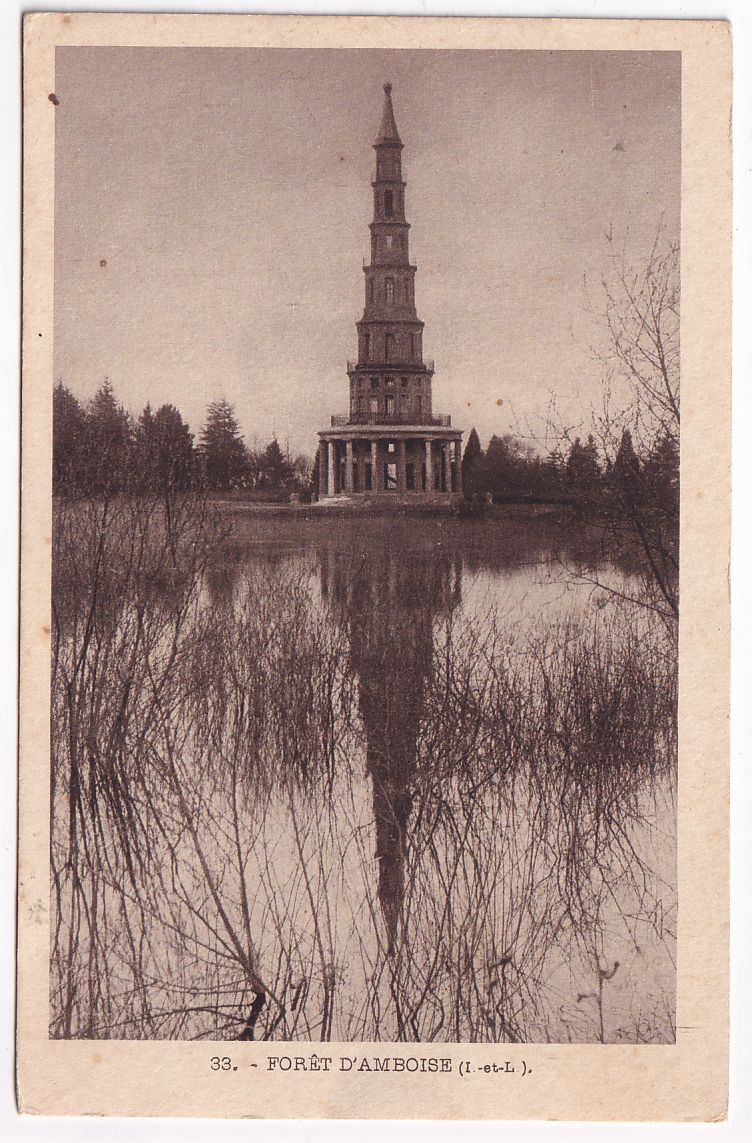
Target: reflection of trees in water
x=213, y=835
x=387, y=603
x=541, y=539
x=513, y=772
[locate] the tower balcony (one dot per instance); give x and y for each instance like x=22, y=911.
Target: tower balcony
x=438, y=420
x=426, y=365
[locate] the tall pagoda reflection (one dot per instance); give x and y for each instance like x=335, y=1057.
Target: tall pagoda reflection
x=387, y=600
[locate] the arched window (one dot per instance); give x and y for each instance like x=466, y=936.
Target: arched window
x=388, y=203
x=390, y=291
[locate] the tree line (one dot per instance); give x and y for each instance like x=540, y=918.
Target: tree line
x=632, y=494
x=98, y=449
x=574, y=473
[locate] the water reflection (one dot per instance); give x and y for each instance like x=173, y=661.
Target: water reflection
x=387, y=605
x=402, y=773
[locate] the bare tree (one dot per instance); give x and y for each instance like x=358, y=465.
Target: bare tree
x=637, y=426
x=642, y=317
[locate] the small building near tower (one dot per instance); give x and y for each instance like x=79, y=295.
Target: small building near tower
x=390, y=443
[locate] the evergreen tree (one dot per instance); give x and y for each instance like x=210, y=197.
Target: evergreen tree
x=164, y=450
x=505, y=469
x=143, y=455
x=471, y=464
x=222, y=447
x=473, y=452
x=275, y=472
x=582, y=469
x=626, y=469
x=107, y=439
x=67, y=440
x=660, y=498
x=660, y=471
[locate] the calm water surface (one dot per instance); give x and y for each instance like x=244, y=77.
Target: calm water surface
x=449, y=885
x=411, y=778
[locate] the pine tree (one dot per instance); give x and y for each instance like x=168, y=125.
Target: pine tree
x=473, y=452
x=472, y=462
x=275, y=473
x=222, y=447
x=660, y=487
x=108, y=435
x=626, y=465
x=164, y=450
x=67, y=440
x=582, y=469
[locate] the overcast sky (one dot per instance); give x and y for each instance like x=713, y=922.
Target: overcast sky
x=212, y=210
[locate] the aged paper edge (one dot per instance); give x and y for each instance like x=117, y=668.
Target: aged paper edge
x=682, y=1082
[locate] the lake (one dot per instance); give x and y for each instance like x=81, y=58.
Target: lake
x=392, y=778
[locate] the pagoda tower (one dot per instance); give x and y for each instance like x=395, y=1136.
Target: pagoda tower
x=391, y=443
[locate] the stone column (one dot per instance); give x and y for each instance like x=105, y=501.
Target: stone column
x=375, y=466
x=348, y=466
x=323, y=469
x=443, y=482
x=331, y=469
x=401, y=465
x=458, y=466
x=429, y=467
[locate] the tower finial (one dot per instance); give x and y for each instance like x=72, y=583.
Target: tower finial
x=388, y=132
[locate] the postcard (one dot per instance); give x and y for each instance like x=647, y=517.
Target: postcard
x=375, y=542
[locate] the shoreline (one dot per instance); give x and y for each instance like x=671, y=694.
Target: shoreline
x=327, y=510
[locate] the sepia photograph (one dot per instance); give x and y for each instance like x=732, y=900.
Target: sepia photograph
x=363, y=479
x=365, y=550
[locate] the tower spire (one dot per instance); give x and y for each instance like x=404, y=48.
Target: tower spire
x=390, y=332
x=388, y=132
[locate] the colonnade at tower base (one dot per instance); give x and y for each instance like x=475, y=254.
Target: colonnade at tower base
x=388, y=461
